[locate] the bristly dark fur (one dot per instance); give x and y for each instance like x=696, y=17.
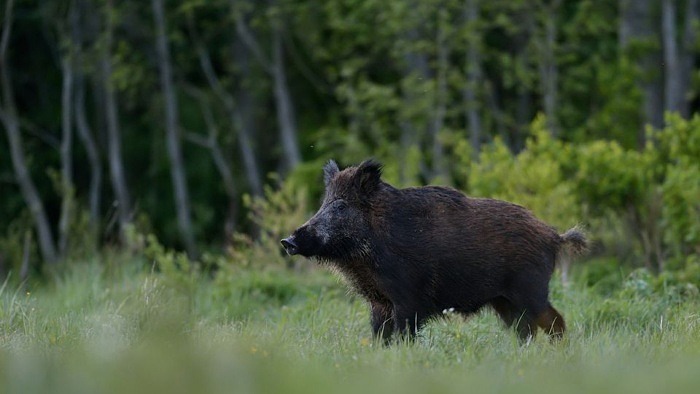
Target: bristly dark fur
x=412, y=253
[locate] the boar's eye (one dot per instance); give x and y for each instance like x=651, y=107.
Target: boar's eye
x=341, y=206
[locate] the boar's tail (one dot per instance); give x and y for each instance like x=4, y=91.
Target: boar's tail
x=575, y=241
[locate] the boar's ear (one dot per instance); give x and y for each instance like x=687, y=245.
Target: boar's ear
x=368, y=176
x=329, y=171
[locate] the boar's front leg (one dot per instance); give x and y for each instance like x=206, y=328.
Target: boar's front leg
x=408, y=321
x=382, y=320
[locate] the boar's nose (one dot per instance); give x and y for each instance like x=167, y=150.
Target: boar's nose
x=290, y=246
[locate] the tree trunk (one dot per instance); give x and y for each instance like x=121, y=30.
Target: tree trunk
x=242, y=120
x=678, y=57
x=239, y=116
x=474, y=77
x=177, y=167
x=692, y=12
x=245, y=120
x=68, y=66
x=407, y=140
x=523, y=58
x=439, y=168
x=24, y=268
x=673, y=90
x=67, y=188
x=222, y=165
x=636, y=24
x=86, y=136
x=116, y=166
x=10, y=120
x=416, y=64
x=286, y=116
x=548, y=66
x=82, y=125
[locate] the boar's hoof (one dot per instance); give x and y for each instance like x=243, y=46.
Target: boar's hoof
x=290, y=246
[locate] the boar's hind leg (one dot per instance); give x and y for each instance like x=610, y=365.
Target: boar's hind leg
x=552, y=323
x=382, y=321
x=505, y=309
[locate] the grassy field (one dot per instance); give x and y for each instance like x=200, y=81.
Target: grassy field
x=115, y=326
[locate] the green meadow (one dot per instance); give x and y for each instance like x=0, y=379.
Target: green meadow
x=123, y=325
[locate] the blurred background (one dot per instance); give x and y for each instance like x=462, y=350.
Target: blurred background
x=201, y=126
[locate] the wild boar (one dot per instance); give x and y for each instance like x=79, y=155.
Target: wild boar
x=413, y=253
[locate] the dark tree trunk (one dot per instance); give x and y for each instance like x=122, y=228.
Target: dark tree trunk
x=636, y=25
x=689, y=40
x=10, y=120
x=177, y=166
x=211, y=142
x=93, y=156
x=678, y=56
x=673, y=90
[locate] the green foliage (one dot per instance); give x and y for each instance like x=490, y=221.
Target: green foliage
x=681, y=209
x=617, y=118
x=275, y=216
x=679, y=149
x=641, y=202
x=615, y=186
x=602, y=276
x=609, y=177
x=12, y=247
x=534, y=178
x=600, y=93
x=180, y=274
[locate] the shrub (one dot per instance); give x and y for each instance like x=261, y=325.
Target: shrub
x=678, y=153
x=274, y=215
x=534, y=178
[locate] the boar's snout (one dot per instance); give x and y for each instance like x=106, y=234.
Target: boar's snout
x=290, y=245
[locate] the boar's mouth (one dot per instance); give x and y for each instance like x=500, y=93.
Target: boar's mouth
x=290, y=245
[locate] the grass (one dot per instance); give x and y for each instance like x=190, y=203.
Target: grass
x=116, y=326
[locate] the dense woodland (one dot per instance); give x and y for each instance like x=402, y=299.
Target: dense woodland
x=205, y=123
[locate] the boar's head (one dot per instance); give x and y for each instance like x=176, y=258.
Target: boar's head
x=341, y=227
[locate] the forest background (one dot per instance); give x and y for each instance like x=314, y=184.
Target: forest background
x=204, y=124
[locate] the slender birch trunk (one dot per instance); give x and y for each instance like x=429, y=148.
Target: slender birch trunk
x=114, y=154
x=177, y=165
x=67, y=188
x=10, y=121
x=474, y=77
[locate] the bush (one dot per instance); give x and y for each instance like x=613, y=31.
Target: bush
x=679, y=150
x=534, y=178
x=275, y=215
